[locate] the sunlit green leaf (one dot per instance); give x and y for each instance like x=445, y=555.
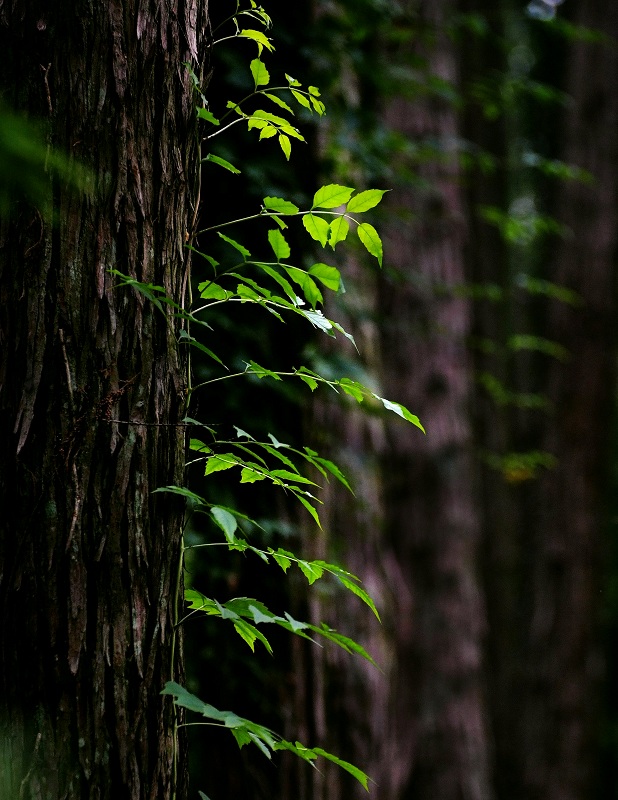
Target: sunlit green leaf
x=311, y=509
x=222, y=163
x=261, y=372
x=280, y=247
x=370, y=238
x=261, y=76
x=258, y=37
x=249, y=475
x=212, y=291
x=280, y=206
x=401, y=411
x=226, y=521
x=363, y=201
x=204, y=113
x=236, y=245
x=183, y=493
x=339, y=229
x=317, y=227
x=220, y=463
x=329, y=276
x=310, y=570
x=278, y=101
x=301, y=98
x=360, y=776
x=331, y=196
x=284, y=142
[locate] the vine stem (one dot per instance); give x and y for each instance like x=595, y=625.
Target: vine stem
x=266, y=213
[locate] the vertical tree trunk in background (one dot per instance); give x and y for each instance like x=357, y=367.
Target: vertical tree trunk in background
x=413, y=539
x=560, y=720
x=432, y=523
x=88, y=554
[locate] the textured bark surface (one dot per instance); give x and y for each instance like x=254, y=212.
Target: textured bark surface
x=88, y=554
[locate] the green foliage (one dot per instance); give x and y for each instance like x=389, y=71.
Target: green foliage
x=247, y=732
x=285, y=288
x=28, y=164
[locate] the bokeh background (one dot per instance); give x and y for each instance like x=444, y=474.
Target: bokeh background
x=489, y=544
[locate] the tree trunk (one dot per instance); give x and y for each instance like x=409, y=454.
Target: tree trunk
x=432, y=523
x=92, y=388
x=419, y=728
x=561, y=717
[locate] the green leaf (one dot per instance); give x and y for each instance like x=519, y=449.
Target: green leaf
x=339, y=229
x=261, y=372
x=278, y=101
x=183, y=493
x=310, y=570
x=212, y=261
x=363, y=201
x=267, y=132
x=353, y=587
x=318, y=105
x=369, y=237
x=226, y=521
x=236, y=245
x=280, y=247
x=258, y=37
x=307, y=284
x=204, y=113
x=353, y=388
x=282, y=225
x=310, y=509
x=199, y=446
x=292, y=81
x=347, y=644
x=202, y=795
x=301, y=98
x=329, y=276
x=184, y=698
x=249, y=633
x=317, y=227
x=313, y=90
x=261, y=614
x=222, y=163
x=280, y=206
x=249, y=475
x=360, y=776
x=334, y=470
x=401, y=411
x=212, y=291
x=186, y=337
x=220, y=463
x=284, y=142
x=331, y=196
x=281, y=557
x=311, y=382
x=261, y=76
x=285, y=475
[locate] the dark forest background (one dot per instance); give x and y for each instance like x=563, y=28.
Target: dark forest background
x=489, y=543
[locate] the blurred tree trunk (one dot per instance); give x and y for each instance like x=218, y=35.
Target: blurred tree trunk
x=92, y=389
x=560, y=720
x=432, y=522
x=414, y=538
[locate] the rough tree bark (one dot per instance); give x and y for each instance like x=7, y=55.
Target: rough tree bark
x=88, y=554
